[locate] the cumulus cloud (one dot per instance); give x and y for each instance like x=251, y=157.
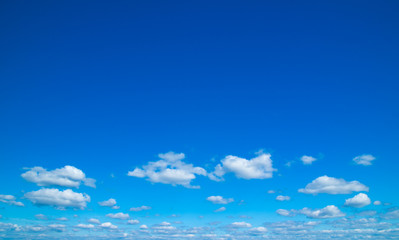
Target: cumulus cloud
x=133, y=221
x=330, y=211
x=240, y=225
x=365, y=159
x=94, y=220
x=377, y=203
x=282, y=198
x=258, y=230
x=259, y=167
x=358, y=201
x=108, y=225
x=118, y=215
x=10, y=200
x=170, y=169
x=85, y=226
x=307, y=160
x=67, y=176
x=57, y=198
x=109, y=203
x=222, y=209
x=220, y=200
x=330, y=185
x=138, y=209
x=284, y=212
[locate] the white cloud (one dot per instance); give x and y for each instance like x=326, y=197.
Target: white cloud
x=330, y=211
x=365, y=159
x=108, y=225
x=271, y=192
x=240, y=225
x=85, y=226
x=118, y=215
x=285, y=213
x=222, y=209
x=307, y=160
x=330, y=185
x=41, y=216
x=377, y=203
x=109, y=203
x=393, y=214
x=259, y=167
x=94, y=220
x=62, y=219
x=358, y=201
x=220, y=200
x=67, y=176
x=10, y=199
x=170, y=169
x=258, y=230
x=282, y=198
x=138, y=209
x=143, y=226
x=57, y=198
x=133, y=221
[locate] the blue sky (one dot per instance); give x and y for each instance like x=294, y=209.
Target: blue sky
x=224, y=119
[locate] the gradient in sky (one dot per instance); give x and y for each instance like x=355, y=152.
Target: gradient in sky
x=199, y=119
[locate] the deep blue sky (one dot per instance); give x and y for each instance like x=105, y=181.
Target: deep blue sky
x=106, y=86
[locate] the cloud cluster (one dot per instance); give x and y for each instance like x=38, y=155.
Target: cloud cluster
x=220, y=200
x=330, y=185
x=67, y=176
x=365, y=159
x=170, y=169
x=358, y=201
x=259, y=167
x=60, y=199
x=10, y=199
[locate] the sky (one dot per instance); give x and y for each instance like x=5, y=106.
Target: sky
x=199, y=120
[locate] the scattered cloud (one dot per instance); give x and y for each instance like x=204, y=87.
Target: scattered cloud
x=358, y=201
x=120, y=215
x=220, y=200
x=330, y=211
x=222, y=209
x=62, y=219
x=109, y=203
x=108, y=225
x=240, y=225
x=259, y=167
x=271, y=192
x=57, y=198
x=282, y=198
x=133, y=221
x=330, y=185
x=41, y=217
x=170, y=169
x=138, y=209
x=307, y=160
x=392, y=214
x=377, y=203
x=10, y=200
x=85, y=226
x=94, y=220
x=284, y=212
x=67, y=176
x=365, y=159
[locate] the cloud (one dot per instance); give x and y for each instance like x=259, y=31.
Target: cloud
x=392, y=214
x=285, y=213
x=358, y=201
x=143, y=227
x=67, y=176
x=220, y=200
x=85, y=226
x=108, y=225
x=330, y=211
x=222, y=209
x=170, y=169
x=94, y=220
x=271, y=192
x=282, y=198
x=109, y=203
x=377, y=203
x=133, y=221
x=258, y=230
x=330, y=185
x=41, y=216
x=10, y=200
x=365, y=159
x=57, y=198
x=138, y=209
x=120, y=215
x=307, y=160
x=62, y=219
x=259, y=167
x=240, y=225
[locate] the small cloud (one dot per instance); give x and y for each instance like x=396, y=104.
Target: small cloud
x=133, y=221
x=85, y=226
x=57, y=198
x=377, y=203
x=282, y=198
x=271, y=192
x=240, y=225
x=10, y=200
x=365, y=159
x=307, y=160
x=108, y=225
x=143, y=226
x=108, y=203
x=358, y=201
x=284, y=212
x=41, y=216
x=118, y=215
x=138, y=209
x=330, y=185
x=330, y=211
x=222, y=209
x=94, y=220
x=62, y=219
x=220, y=200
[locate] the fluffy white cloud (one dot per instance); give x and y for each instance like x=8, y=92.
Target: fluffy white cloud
x=259, y=167
x=258, y=230
x=143, y=227
x=67, y=176
x=282, y=198
x=94, y=220
x=377, y=203
x=118, y=215
x=365, y=159
x=222, y=209
x=57, y=198
x=330, y=185
x=170, y=169
x=307, y=160
x=285, y=213
x=109, y=203
x=220, y=200
x=10, y=199
x=85, y=226
x=108, y=225
x=240, y=225
x=330, y=211
x=358, y=201
x=133, y=221
x=138, y=209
